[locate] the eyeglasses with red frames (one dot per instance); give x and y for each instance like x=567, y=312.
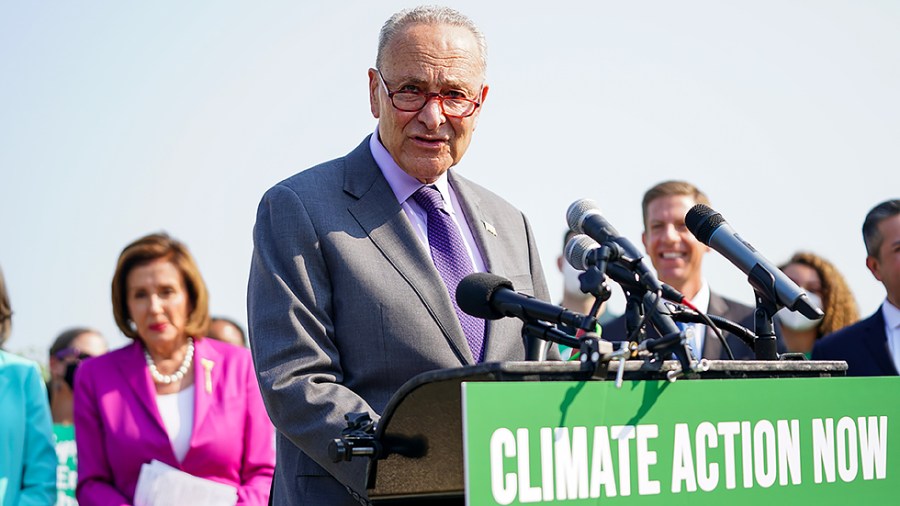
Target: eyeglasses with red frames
x=413, y=101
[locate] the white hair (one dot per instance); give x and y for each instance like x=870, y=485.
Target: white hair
x=430, y=15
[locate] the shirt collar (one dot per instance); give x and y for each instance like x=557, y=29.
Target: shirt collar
x=701, y=300
x=891, y=314
x=402, y=184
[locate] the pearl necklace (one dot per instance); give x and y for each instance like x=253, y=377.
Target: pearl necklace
x=166, y=379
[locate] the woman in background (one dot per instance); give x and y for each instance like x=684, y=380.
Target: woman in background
x=27, y=455
x=171, y=396
x=827, y=289
x=70, y=348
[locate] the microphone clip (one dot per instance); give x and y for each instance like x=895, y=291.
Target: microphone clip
x=593, y=282
x=673, y=344
x=357, y=439
x=595, y=354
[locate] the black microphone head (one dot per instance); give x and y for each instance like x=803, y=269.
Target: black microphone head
x=577, y=250
x=475, y=291
x=702, y=222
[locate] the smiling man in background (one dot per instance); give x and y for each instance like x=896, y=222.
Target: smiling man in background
x=677, y=257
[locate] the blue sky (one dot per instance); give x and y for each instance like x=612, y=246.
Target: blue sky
x=118, y=119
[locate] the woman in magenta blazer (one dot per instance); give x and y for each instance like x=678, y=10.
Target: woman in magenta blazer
x=171, y=395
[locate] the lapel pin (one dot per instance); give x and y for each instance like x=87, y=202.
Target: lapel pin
x=490, y=228
x=207, y=367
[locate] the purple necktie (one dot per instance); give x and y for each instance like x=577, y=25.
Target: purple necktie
x=453, y=263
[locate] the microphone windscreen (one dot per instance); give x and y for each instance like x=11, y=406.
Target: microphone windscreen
x=474, y=293
x=577, y=250
x=577, y=211
x=702, y=222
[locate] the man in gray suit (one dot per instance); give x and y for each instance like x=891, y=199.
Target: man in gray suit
x=345, y=303
x=677, y=257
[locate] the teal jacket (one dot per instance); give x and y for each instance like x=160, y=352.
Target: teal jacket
x=27, y=454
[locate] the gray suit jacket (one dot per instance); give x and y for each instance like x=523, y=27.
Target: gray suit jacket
x=345, y=305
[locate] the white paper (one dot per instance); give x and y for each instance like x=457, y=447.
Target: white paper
x=160, y=484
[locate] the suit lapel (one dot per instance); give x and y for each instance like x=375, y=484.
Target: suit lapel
x=712, y=347
x=875, y=341
x=3, y=380
x=482, y=229
x=207, y=378
x=487, y=239
x=380, y=215
x=134, y=369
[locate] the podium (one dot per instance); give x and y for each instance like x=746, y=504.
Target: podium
x=421, y=430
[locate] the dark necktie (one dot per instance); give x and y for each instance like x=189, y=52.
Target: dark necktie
x=451, y=260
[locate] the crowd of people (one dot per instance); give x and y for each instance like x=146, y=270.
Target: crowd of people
x=183, y=394
x=351, y=293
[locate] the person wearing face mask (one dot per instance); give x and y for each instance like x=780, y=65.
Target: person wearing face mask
x=573, y=298
x=70, y=348
x=826, y=289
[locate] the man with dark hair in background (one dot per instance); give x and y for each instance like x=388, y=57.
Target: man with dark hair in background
x=871, y=347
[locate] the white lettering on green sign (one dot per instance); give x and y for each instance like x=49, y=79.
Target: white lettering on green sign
x=573, y=466
x=861, y=441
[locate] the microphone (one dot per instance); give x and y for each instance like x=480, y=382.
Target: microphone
x=584, y=216
x=491, y=297
x=659, y=315
x=582, y=254
x=710, y=228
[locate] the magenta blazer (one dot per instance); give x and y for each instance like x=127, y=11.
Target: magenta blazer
x=118, y=426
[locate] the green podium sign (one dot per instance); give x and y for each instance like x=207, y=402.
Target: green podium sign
x=771, y=441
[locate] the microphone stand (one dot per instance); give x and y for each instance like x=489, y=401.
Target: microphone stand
x=594, y=353
x=593, y=280
x=634, y=317
x=763, y=283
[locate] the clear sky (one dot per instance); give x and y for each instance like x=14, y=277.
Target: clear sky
x=118, y=119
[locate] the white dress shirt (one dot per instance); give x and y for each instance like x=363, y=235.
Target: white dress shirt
x=701, y=302
x=177, y=411
x=892, y=330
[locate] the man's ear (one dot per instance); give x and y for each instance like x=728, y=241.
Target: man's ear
x=873, y=265
x=484, y=93
x=374, y=103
